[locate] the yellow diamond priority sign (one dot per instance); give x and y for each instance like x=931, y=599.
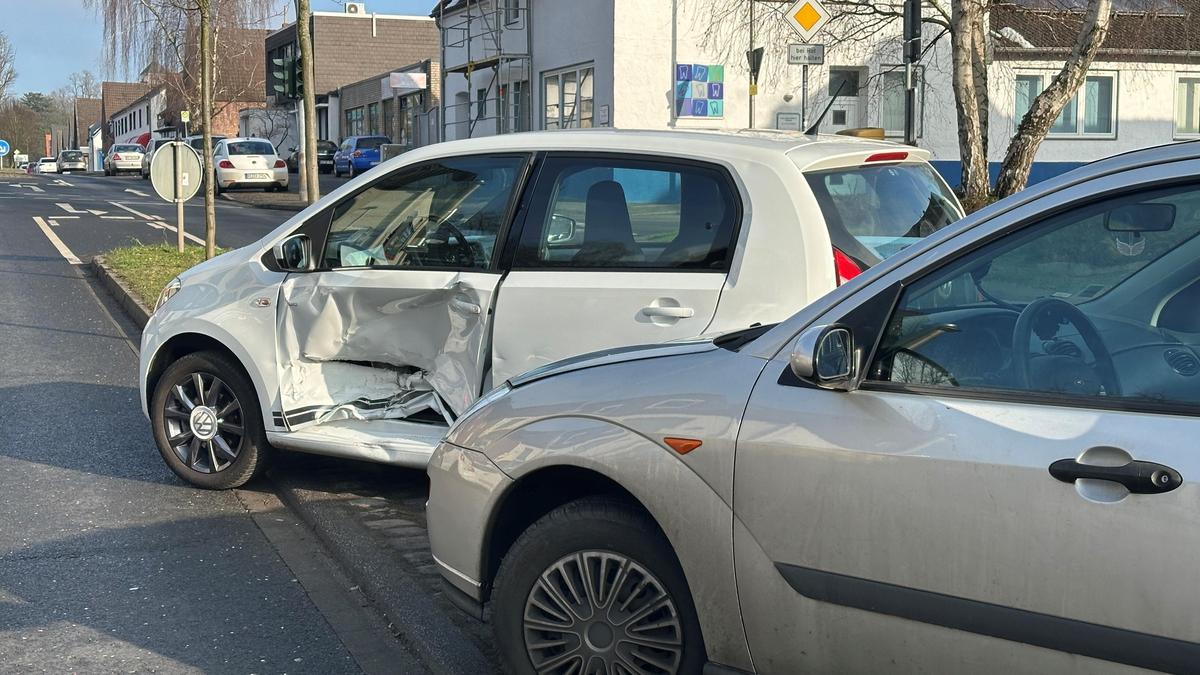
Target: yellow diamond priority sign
x=807, y=17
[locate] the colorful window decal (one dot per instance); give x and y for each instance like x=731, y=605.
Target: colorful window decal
x=699, y=90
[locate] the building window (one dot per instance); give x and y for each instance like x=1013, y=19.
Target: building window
x=843, y=82
x=512, y=12
x=1091, y=112
x=891, y=100
x=1187, y=105
x=373, y=118
x=518, y=104
x=354, y=122
x=567, y=98
x=480, y=104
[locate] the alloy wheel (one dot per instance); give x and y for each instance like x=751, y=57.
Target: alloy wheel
x=601, y=613
x=204, y=425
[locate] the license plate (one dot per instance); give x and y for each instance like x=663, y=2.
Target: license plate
x=257, y=176
x=327, y=163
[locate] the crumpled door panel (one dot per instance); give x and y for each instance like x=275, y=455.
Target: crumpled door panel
x=381, y=343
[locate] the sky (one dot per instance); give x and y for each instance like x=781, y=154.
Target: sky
x=54, y=38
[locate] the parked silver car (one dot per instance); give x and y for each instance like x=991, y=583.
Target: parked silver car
x=978, y=456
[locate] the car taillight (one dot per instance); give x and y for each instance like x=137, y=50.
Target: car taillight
x=116, y=158
x=357, y=153
x=225, y=164
x=846, y=268
x=888, y=157
x=280, y=164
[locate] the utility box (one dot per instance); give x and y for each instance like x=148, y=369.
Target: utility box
x=390, y=150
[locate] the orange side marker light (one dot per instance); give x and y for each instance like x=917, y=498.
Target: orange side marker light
x=682, y=445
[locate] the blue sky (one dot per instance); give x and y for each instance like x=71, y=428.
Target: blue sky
x=54, y=38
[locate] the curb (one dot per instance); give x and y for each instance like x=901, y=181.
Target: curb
x=269, y=207
x=134, y=309
x=413, y=615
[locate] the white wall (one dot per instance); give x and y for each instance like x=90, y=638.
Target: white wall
x=150, y=110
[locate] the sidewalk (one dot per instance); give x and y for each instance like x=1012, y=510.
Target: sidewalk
x=280, y=201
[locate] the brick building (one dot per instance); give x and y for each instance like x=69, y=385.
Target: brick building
x=115, y=97
x=86, y=112
x=237, y=84
x=350, y=48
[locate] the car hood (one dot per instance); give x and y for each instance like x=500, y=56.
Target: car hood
x=616, y=355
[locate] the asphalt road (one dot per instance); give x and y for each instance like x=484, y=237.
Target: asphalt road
x=108, y=563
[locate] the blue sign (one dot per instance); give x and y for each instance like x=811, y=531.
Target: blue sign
x=3, y=148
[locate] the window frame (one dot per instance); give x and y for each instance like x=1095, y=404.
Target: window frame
x=544, y=181
x=919, y=73
x=1078, y=99
x=577, y=109
x=854, y=320
x=1180, y=76
x=320, y=225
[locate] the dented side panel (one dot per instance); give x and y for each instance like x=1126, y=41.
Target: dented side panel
x=381, y=343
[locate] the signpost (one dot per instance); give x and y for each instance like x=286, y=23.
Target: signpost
x=175, y=173
x=807, y=18
x=3, y=151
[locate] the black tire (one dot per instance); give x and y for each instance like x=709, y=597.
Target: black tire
x=252, y=451
x=336, y=173
x=596, y=527
x=350, y=169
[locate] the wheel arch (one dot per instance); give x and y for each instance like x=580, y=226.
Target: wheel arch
x=182, y=344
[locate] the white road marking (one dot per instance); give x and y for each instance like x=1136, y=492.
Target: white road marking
x=94, y=212
x=31, y=186
x=137, y=192
x=66, y=217
x=53, y=222
x=58, y=243
x=116, y=217
x=62, y=183
x=68, y=208
x=157, y=222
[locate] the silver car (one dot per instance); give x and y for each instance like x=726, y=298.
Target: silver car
x=979, y=456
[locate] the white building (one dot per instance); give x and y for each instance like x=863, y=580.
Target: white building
x=136, y=122
x=511, y=65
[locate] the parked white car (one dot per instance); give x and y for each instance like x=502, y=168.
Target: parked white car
x=249, y=163
x=978, y=457
x=46, y=165
x=148, y=156
x=366, y=324
x=123, y=157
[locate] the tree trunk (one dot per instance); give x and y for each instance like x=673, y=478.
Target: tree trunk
x=206, y=115
x=979, y=70
x=304, y=37
x=972, y=139
x=1018, y=160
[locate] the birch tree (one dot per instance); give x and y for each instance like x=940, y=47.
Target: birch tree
x=309, y=101
x=8, y=72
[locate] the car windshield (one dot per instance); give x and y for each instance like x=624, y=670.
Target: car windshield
x=127, y=148
x=875, y=211
x=250, y=148
x=370, y=143
x=326, y=146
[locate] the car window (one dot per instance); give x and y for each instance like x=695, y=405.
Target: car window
x=601, y=213
x=371, y=143
x=72, y=156
x=127, y=148
x=875, y=211
x=1096, y=302
x=249, y=148
x=440, y=214
x=326, y=146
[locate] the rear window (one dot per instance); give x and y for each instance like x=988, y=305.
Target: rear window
x=72, y=156
x=127, y=148
x=326, y=146
x=370, y=143
x=875, y=211
x=250, y=148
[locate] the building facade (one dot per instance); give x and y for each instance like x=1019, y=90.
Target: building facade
x=511, y=65
x=136, y=122
x=348, y=48
x=116, y=97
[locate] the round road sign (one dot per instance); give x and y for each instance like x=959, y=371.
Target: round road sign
x=176, y=172
x=3, y=148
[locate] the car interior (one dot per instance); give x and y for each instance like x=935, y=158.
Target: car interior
x=1098, y=301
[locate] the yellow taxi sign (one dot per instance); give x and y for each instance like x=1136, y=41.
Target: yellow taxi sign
x=807, y=18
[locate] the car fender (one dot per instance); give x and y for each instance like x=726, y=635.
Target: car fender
x=697, y=521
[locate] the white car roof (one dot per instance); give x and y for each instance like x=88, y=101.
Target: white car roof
x=732, y=144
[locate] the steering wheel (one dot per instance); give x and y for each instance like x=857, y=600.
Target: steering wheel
x=1042, y=316
x=467, y=254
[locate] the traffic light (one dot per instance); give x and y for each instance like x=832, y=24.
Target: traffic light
x=298, y=77
x=284, y=73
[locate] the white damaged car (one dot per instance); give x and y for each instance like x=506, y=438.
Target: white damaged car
x=369, y=322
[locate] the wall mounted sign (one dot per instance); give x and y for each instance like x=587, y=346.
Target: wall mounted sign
x=699, y=90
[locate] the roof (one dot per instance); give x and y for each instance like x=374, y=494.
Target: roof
x=87, y=114
x=745, y=143
x=151, y=92
x=1141, y=31
x=118, y=95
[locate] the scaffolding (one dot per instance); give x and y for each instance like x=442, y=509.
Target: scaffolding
x=485, y=31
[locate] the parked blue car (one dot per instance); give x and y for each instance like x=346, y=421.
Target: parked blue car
x=357, y=154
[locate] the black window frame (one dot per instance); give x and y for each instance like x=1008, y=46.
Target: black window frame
x=539, y=193
x=860, y=324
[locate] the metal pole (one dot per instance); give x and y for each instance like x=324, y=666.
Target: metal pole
x=910, y=106
x=804, y=97
x=753, y=86
x=178, y=201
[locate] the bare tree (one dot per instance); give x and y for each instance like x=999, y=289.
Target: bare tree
x=155, y=34
x=83, y=84
x=8, y=73
x=968, y=55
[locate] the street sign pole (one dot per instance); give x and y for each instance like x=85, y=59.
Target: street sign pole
x=178, y=201
x=912, y=55
x=804, y=96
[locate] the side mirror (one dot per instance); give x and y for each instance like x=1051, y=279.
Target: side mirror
x=824, y=355
x=562, y=229
x=294, y=254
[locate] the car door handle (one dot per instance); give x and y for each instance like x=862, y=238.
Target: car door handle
x=1146, y=478
x=670, y=312
x=465, y=306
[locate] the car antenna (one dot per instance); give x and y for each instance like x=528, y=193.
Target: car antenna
x=813, y=130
